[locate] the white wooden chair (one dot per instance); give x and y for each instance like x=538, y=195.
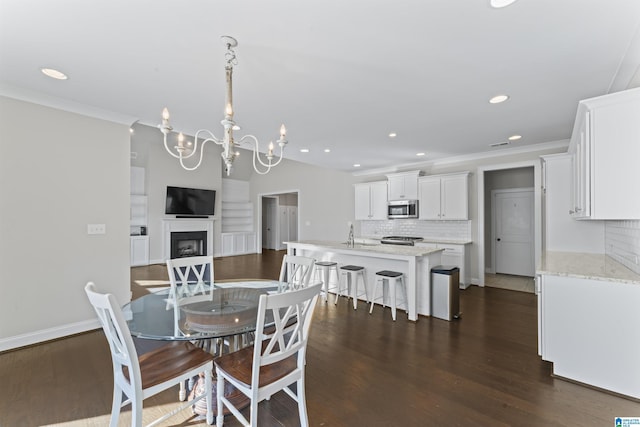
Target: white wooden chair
x=188, y=270
x=295, y=272
x=141, y=377
x=278, y=359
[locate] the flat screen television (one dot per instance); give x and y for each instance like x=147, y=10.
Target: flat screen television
x=190, y=201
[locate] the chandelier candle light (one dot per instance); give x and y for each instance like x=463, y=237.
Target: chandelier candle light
x=186, y=149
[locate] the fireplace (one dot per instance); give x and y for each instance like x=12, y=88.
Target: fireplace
x=188, y=243
x=192, y=231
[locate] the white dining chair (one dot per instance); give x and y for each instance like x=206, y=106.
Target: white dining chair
x=195, y=270
x=295, y=272
x=141, y=377
x=276, y=360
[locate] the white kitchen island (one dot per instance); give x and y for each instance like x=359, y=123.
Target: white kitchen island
x=414, y=262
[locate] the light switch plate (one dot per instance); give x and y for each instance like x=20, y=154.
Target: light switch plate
x=96, y=229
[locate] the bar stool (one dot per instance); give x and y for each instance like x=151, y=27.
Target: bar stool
x=325, y=268
x=386, y=276
x=349, y=271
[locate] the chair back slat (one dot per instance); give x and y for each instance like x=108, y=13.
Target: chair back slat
x=296, y=272
x=196, y=270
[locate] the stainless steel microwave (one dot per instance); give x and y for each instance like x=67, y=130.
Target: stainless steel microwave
x=402, y=209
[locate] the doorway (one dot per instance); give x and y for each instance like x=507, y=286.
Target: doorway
x=518, y=175
x=279, y=219
x=269, y=222
x=512, y=245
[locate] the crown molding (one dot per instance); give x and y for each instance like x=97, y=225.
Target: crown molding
x=40, y=98
x=562, y=144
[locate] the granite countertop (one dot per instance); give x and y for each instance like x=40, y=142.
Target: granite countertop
x=426, y=240
x=446, y=241
x=369, y=247
x=586, y=266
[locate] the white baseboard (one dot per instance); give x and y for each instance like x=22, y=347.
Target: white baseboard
x=476, y=281
x=35, y=337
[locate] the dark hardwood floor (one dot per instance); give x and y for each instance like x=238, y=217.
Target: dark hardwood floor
x=362, y=369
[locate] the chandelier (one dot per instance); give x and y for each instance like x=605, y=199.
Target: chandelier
x=186, y=149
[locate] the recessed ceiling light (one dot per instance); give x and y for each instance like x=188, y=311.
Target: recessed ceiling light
x=498, y=99
x=393, y=135
x=326, y=150
x=497, y=4
x=356, y=165
x=515, y=137
x=304, y=150
x=420, y=154
x=54, y=74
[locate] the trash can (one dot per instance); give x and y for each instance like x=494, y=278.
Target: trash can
x=445, y=292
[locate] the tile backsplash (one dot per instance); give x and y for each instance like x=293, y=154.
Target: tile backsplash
x=450, y=230
x=622, y=242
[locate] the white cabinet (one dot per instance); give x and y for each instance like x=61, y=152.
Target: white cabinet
x=444, y=197
x=139, y=251
x=605, y=148
x=454, y=254
x=562, y=233
x=371, y=201
x=238, y=243
x=403, y=186
x=588, y=329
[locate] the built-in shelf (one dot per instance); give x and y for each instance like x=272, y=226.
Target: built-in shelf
x=237, y=210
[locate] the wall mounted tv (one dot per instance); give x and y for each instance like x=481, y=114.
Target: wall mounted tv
x=190, y=202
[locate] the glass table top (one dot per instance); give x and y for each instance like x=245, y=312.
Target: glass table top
x=221, y=310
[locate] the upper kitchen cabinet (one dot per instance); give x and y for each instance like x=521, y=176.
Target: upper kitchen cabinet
x=371, y=200
x=444, y=197
x=605, y=149
x=403, y=185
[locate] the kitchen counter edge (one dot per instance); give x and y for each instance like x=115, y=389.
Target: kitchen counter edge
x=394, y=250
x=586, y=266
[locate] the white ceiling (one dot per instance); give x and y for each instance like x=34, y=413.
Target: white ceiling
x=340, y=74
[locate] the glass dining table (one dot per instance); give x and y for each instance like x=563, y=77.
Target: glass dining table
x=201, y=311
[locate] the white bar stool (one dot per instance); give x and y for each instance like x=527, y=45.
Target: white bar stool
x=386, y=276
x=325, y=268
x=349, y=271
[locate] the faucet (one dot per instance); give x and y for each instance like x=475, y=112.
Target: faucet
x=350, y=239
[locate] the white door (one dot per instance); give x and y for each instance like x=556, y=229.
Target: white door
x=283, y=227
x=269, y=219
x=513, y=232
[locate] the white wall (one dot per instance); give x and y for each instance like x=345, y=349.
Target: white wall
x=325, y=198
x=59, y=171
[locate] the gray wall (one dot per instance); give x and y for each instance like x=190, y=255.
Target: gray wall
x=59, y=171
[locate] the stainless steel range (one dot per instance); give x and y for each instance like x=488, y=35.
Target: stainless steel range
x=400, y=240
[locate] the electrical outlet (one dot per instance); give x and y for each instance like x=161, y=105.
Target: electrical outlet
x=96, y=229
